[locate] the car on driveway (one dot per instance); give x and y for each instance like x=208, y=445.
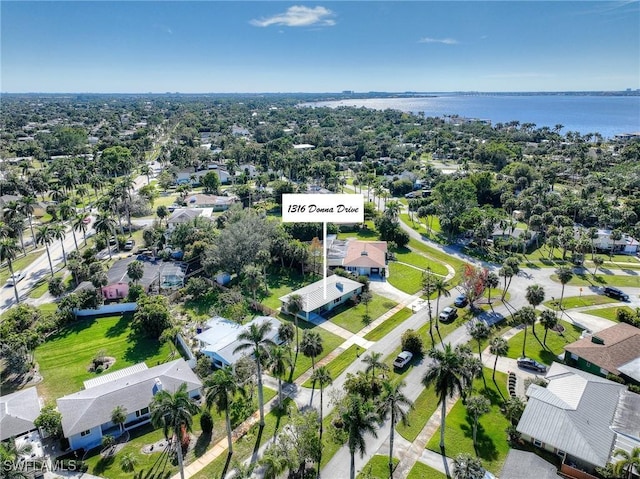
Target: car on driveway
x=460, y=301
x=129, y=245
x=533, y=365
x=448, y=314
x=402, y=359
x=17, y=276
x=615, y=293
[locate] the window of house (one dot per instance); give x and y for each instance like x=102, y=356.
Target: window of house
x=588, y=364
x=336, y=301
x=85, y=433
x=142, y=412
x=537, y=443
x=561, y=453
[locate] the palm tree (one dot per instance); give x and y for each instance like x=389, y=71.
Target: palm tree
x=280, y=361
x=549, y=320
x=322, y=376
x=480, y=331
x=8, y=252
x=286, y=333
x=295, y=304
x=445, y=374
x=535, y=297
x=525, y=316
x=391, y=403
x=220, y=388
x=628, y=461
x=491, y=282
x=252, y=279
x=465, y=466
x=119, y=416
x=499, y=347
x=440, y=287
x=105, y=225
x=358, y=417
x=374, y=360
x=27, y=207
x=476, y=407
x=135, y=271
x=174, y=412
x=45, y=236
x=427, y=287
x=564, y=276
x=311, y=346
x=59, y=233
x=14, y=456
x=256, y=339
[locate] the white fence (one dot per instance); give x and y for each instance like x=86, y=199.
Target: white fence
x=108, y=309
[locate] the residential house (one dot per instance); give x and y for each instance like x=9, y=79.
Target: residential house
x=192, y=177
x=316, y=301
x=358, y=257
x=615, y=350
x=582, y=418
x=625, y=245
x=115, y=291
x=86, y=414
x=213, y=202
x=187, y=215
x=18, y=410
x=219, y=338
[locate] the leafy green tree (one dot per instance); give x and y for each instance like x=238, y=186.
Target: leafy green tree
x=465, y=466
x=152, y=316
x=597, y=262
x=128, y=462
x=535, y=297
x=135, y=271
x=174, y=413
x=256, y=340
x=280, y=363
x=564, y=276
x=358, y=417
x=374, y=360
x=525, y=316
x=211, y=182
x=499, y=347
x=476, y=407
x=105, y=225
x=56, y=287
x=480, y=332
x=49, y=420
x=220, y=389
x=628, y=461
x=549, y=320
x=119, y=416
x=394, y=403
x=45, y=235
x=252, y=279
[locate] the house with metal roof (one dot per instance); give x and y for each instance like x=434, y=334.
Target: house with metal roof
x=615, y=350
x=578, y=416
x=18, y=410
x=219, y=339
x=86, y=414
x=315, y=302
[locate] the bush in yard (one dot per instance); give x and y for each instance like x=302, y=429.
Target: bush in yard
x=152, y=316
x=197, y=287
x=56, y=287
x=90, y=299
x=206, y=422
x=412, y=342
x=49, y=420
x=136, y=291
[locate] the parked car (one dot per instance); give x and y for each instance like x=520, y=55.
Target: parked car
x=402, y=359
x=528, y=363
x=129, y=245
x=616, y=293
x=17, y=276
x=460, y=301
x=448, y=314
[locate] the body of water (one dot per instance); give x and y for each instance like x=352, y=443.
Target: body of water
x=607, y=115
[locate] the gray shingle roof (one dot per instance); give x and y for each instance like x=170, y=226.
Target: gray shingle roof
x=17, y=412
x=573, y=413
x=313, y=295
x=93, y=406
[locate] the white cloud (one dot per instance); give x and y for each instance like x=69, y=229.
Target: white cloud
x=445, y=41
x=298, y=16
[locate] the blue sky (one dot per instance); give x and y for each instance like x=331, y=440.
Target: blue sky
x=268, y=46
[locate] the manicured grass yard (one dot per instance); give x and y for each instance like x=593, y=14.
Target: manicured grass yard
x=609, y=313
x=378, y=466
x=390, y=324
x=405, y=278
x=351, y=317
x=492, y=439
x=423, y=408
x=337, y=365
x=422, y=471
x=282, y=282
x=405, y=255
x=571, y=302
x=534, y=348
x=587, y=279
x=65, y=357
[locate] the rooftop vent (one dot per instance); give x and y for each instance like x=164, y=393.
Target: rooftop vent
x=597, y=340
x=157, y=386
x=340, y=286
x=364, y=253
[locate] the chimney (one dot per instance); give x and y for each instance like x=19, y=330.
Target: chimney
x=597, y=340
x=157, y=386
x=340, y=286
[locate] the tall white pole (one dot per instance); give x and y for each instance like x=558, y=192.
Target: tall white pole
x=324, y=257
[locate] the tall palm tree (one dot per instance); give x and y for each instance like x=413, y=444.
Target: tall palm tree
x=393, y=403
x=549, y=320
x=499, y=347
x=564, y=276
x=628, y=461
x=427, y=287
x=311, y=346
x=491, y=282
x=440, y=288
x=445, y=374
x=174, y=412
x=322, y=376
x=476, y=407
x=535, y=297
x=358, y=417
x=45, y=236
x=525, y=316
x=257, y=341
x=59, y=233
x=374, y=360
x=119, y=416
x=465, y=466
x=280, y=362
x=27, y=206
x=295, y=303
x=220, y=389
x=105, y=225
x=252, y=279
x=8, y=252
x=480, y=331
x=78, y=224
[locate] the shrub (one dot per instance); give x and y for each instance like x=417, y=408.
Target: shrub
x=412, y=342
x=614, y=378
x=56, y=287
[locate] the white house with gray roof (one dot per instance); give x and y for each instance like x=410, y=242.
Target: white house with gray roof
x=17, y=412
x=576, y=417
x=314, y=302
x=219, y=339
x=86, y=415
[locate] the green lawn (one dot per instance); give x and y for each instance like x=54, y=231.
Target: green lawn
x=587, y=279
x=405, y=255
x=534, y=348
x=368, y=233
x=351, y=317
x=571, y=302
x=65, y=357
x=338, y=364
x=390, y=324
x=377, y=467
x=492, y=439
x=423, y=407
x=541, y=257
x=282, y=282
x=422, y=471
x=405, y=278
x=609, y=313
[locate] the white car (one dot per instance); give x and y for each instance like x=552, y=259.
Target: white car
x=402, y=359
x=18, y=276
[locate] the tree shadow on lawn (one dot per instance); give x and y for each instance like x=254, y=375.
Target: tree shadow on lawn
x=103, y=464
x=73, y=328
x=141, y=348
x=202, y=444
x=120, y=327
x=485, y=447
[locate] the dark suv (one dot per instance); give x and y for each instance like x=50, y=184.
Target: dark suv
x=616, y=293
